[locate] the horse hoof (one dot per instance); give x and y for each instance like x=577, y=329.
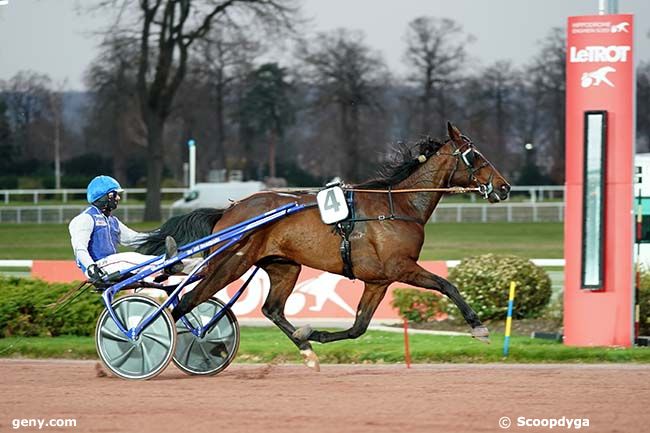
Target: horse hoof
x=482, y=334
x=303, y=333
x=310, y=359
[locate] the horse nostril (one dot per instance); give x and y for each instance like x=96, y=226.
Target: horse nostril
x=505, y=188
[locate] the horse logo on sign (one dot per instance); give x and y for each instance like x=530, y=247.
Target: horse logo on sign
x=595, y=78
x=621, y=27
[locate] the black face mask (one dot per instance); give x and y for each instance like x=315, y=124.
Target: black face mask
x=107, y=203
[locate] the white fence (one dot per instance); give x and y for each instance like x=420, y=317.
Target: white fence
x=65, y=194
x=64, y=213
x=479, y=212
x=541, y=205
x=533, y=193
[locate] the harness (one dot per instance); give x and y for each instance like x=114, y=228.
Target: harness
x=464, y=153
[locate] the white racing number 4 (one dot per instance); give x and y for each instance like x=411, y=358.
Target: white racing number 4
x=332, y=205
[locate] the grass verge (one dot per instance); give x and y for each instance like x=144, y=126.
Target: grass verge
x=261, y=344
x=443, y=241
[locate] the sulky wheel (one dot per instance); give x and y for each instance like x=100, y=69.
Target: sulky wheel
x=216, y=350
x=145, y=357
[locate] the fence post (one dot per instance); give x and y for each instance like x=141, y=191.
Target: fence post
x=35, y=197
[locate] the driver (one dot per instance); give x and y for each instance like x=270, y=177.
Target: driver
x=95, y=234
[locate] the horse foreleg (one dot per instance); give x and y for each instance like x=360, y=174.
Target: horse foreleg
x=422, y=278
x=283, y=277
x=370, y=300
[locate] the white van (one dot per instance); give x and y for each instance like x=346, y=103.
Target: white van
x=216, y=195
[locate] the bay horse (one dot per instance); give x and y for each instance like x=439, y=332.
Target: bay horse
x=385, y=242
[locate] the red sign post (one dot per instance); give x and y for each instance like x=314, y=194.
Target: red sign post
x=598, y=228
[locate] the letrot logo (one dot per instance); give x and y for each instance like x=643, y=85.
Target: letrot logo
x=620, y=27
x=4, y=2
x=599, y=54
x=595, y=78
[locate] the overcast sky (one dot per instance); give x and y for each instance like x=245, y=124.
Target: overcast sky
x=50, y=37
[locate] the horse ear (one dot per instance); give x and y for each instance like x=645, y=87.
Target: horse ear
x=453, y=132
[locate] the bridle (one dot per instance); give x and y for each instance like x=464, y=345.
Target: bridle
x=466, y=154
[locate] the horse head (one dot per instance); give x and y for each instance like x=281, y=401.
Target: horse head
x=469, y=168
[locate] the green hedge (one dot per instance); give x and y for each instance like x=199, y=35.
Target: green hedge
x=417, y=305
x=24, y=312
x=484, y=282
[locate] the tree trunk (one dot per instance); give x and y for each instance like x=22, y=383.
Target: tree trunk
x=155, y=127
x=273, y=138
x=500, y=126
x=426, y=102
x=221, y=133
x=353, y=147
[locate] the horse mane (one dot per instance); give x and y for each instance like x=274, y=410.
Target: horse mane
x=402, y=163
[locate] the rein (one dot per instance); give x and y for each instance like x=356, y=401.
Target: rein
x=451, y=190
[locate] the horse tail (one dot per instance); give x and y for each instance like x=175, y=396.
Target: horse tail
x=183, y=228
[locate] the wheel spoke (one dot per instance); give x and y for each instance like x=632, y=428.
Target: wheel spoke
x=120, y=360
x=146, y=361
x=122, y=315
x=220, y=338
x=115, y=336
x=206, y=355
x=161, y=339
x=197, y=319
x=186, y=353
x=182, y=330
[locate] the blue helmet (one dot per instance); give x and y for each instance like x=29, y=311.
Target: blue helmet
x=100, y=186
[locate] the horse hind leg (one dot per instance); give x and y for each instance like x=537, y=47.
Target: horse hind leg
x=235, y=265
x=283, y=276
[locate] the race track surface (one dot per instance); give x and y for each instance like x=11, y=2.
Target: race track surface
x=341, y=398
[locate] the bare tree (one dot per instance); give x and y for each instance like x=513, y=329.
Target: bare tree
x=115, y=124
x=349, y=75
x=223, y=57
x=268, y=109
x=168, y=30
x=548, y=75
x=490, y=104
x=435, y=49
x=27, y=96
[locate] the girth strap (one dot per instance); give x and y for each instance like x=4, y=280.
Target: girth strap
x=344, y=229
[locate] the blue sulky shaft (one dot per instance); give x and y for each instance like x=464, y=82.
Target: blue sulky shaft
x=228, y=237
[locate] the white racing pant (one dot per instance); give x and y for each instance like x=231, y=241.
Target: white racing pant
x=121, y=261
